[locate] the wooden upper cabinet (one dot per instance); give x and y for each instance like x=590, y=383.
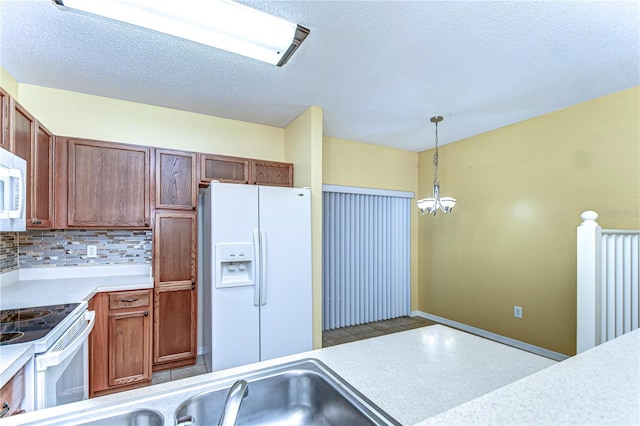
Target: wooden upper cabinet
x=41, y=184
x=271, y=173
x=23, y=131
x=224, y=169
x=5, y=138
x=34, y=143
x=176, y=185
x=108, y=184
x=244, y=170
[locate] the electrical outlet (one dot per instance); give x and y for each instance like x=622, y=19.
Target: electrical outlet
x=517, y=311
x=92, y=251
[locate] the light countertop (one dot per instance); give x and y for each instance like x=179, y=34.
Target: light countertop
x=600, y=386
x=412, y=375
x=53, y=286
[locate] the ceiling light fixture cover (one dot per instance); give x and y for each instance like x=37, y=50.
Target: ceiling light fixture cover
x=222, y=24
x=431, y=205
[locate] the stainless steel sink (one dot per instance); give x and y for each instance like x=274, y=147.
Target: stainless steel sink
x=142, y=417
x=304, y=392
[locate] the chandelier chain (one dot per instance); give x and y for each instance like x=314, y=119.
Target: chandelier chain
x=435, y=159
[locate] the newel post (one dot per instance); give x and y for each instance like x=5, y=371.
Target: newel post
x=588, y=282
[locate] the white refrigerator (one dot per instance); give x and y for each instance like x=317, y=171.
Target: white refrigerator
x=257, y=273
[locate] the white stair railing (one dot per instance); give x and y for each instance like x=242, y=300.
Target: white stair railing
x=608, y=297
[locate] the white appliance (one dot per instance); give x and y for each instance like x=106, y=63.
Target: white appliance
x=257, y=273
x=13, y=192
x=62, y=367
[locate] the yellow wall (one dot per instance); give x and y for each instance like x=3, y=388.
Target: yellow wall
x=512, y=237
x=359, y=164
x=94, y=117
x=303, y=147
x=8, y=83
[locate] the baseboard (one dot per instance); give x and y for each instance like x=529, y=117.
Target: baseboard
x=557, y=356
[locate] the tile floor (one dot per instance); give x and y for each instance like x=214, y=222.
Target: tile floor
x=372, y=329
x=329, y=338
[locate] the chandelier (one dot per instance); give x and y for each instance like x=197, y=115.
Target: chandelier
x=431, y=205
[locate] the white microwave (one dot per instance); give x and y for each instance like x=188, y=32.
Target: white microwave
x=13, y=192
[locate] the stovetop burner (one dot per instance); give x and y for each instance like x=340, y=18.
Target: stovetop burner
x=29, y=324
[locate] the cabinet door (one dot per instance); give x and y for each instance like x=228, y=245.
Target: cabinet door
x=223, y=169
x=23, y=136
x=176, y=186
x=5, y=138
x=175, y=313
x=41, y=184
x=271, y=173
x=175, y=325
x=129, y=345
x=175, y=248
x=108, y=184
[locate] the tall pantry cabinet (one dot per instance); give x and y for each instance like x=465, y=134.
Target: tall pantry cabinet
x=174, y=259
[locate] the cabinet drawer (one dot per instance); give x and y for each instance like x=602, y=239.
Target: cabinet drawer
x=129, y=299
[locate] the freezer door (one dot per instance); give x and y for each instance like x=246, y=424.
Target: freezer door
x=233, y=218
x=286, y=305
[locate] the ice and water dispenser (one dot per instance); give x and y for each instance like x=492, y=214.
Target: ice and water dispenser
x=234, y=265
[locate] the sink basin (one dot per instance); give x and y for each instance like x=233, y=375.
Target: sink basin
x=141, y=417
x=304, y=392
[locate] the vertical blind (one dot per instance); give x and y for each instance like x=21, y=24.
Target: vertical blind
x=366, y=255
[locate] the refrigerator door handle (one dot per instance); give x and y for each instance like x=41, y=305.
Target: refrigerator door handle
x=263, y=268
x=256, y=268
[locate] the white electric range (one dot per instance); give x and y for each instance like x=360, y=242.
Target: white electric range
x=59, y=334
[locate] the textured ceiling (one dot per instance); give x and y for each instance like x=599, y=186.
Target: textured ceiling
x=379, y=69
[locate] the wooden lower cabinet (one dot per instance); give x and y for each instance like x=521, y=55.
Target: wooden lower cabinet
x=175, y=326
x=120, y=345
x=12, y=394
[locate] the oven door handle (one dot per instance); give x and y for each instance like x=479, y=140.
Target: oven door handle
x=51, y=359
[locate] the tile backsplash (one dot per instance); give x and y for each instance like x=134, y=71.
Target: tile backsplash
x=8, y=251
x=56, y=248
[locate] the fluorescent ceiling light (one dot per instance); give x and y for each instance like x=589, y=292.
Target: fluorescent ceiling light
x=222, y=24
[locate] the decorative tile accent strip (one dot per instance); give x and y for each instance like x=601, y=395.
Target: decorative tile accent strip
x=69, y=247
x=8, y=251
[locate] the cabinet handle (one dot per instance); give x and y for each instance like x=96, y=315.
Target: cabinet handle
x=146, y=224
x=146, y=313
x=193, y=285
x=185, y=421
x=193, y=207
x=130, y=300
x=5, y=409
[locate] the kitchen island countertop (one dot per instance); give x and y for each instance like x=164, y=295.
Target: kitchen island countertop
x=412, y=375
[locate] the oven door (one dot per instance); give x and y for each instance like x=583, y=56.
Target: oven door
x=62, y=373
